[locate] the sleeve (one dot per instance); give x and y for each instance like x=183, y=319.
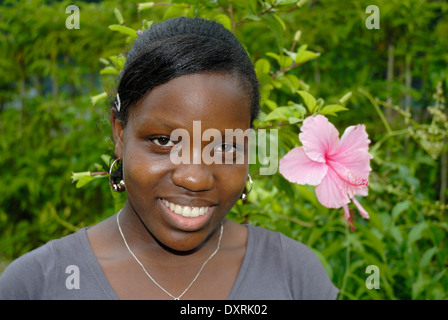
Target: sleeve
x=305, y=273
x=24, y=278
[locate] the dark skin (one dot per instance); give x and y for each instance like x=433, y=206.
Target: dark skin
x=170, y=247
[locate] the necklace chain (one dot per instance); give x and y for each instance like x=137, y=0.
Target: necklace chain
x=152, y=279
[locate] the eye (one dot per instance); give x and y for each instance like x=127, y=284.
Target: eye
x=225, y=148
x=162, y=141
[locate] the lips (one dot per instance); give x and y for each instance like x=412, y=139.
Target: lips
x=185, y=217
x=185, y=211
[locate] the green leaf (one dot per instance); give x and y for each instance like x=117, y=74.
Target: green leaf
x=109, y=70
x=303, y=55
x=262, y=66
x=289, y=82
x=104, y=61
x=224, y=20
x=294, y=82
x=175, y=11
x=276, y=26
x=399, y=208
x=416, y=233
x=98, y=97
x=119, y=16
x=294, y=120
x=332, y=109
x=283, y=61
x=124, y=30
x=285, y=2
x=106, y=159
x=299, y=108
x=308, y=99
x=118, y=61
x=280, y=21
x=280, y=114
x=396, y=234
x=82, y=178
x=427, y=257
x=252, y=16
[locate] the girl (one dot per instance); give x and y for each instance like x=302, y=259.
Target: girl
x=171, y=239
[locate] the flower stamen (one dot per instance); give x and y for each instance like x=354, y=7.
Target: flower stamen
x=347, y=176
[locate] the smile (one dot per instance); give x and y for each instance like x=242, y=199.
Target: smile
x=185, y=211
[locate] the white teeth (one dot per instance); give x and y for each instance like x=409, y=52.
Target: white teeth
x=186, y=211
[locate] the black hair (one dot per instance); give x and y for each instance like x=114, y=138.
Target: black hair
x=182, y=46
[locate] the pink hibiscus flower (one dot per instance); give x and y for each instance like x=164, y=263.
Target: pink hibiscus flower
x=339, y=168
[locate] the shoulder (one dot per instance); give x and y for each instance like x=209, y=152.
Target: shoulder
x=302, y=270
x=30, y=276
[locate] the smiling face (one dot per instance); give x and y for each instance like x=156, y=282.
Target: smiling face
x=183, y=204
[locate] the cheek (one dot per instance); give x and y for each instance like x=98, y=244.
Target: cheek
x=143, y=173
x=232, y=182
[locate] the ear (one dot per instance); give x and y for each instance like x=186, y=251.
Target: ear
x=118, y=134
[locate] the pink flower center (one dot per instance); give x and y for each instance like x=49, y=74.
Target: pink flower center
x=346, y=175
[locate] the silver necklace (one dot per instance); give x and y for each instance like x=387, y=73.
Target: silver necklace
x=152, y=279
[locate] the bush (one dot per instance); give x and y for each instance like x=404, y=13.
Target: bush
x=302, y=51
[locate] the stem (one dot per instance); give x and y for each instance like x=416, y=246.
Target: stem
x=387, y=136
x=99, y=173
x=443, y=177
x=347, y=261
x=276, y=125
x=377, y=108
x=232, y=19
x=390, y=75
x=408, y=82
x=295, y=220
x=268, y=10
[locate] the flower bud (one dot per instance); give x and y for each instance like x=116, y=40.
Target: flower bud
x=297, y=35
x=301, y=3
x=145, y=6
x=345, y=98
x=119, y=16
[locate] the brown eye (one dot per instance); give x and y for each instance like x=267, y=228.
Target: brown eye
x=162, y=141
x=225, y=148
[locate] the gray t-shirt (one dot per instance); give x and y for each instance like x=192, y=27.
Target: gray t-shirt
x=274, y=267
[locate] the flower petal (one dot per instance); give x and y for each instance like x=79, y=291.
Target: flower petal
x=354, y=138
x=296, y=167
x=361, y=209
x=319, y=138
x=353, y=152
x=331, y=192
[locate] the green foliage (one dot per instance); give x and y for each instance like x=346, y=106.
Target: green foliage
x=302, y=51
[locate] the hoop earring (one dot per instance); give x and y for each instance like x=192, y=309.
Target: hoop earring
x=244, y=195
x=115, y=187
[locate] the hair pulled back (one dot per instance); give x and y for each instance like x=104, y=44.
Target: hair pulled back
x=179, y=47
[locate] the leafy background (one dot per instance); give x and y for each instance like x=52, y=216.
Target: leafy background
x=311, y=57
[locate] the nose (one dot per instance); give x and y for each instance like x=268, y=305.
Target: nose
x=194, y=177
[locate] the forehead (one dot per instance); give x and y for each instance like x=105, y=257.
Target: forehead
x=217, y=100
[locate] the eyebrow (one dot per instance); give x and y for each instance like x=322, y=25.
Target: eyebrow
x=168, y=124
x=145, y=121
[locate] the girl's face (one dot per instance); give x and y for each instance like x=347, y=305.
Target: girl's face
x=164, y=194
